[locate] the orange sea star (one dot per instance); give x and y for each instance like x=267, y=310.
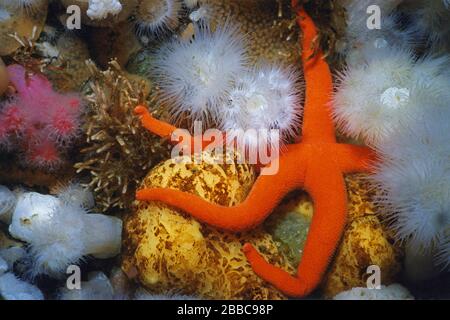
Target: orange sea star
x=317, y=163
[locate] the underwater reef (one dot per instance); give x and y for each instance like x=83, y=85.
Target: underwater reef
x=224, y=149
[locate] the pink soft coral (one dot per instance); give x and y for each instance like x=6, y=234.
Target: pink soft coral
x=38, y=121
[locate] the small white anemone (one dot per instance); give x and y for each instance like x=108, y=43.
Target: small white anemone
x=57, y=242
x=266, y=98
x=197, y=75
x=76, y=194
x=156, y=16
x=200, y=15
x=100, y=9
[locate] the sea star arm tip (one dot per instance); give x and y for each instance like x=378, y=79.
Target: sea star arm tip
x=160, y=128
x=318, y=124
x=352, y=158
x=141, y=110
x=290, y=285
x=325, y=231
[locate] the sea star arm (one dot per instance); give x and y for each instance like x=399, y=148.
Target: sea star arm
x=353, y=158
x=166, y=130
x=265, y=195
x=318, y=124
x=325, y=231
x=158, y=127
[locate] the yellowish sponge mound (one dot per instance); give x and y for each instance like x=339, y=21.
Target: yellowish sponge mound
x=168, y=251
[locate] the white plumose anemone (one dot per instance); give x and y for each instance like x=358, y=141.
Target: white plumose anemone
x=370, y=98
x=196, y=76
x=60, y=231
x=432, y=73
x=422, y=139
x=374, y=100
x=56, y=243
x=156, y=16
x=399, y=104
x=264, y=99
x=76, y=193
x=417, y=198
x=69, y=235
x=415, y=173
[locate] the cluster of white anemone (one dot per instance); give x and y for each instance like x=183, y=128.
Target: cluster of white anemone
x=100, y=9
x=428, y=23
x=391, y=90
x=361, y=41
x=399, y=104
x=59, y=230
x=208, y=78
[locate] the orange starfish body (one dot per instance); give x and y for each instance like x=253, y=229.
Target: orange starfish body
x=317, y=164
